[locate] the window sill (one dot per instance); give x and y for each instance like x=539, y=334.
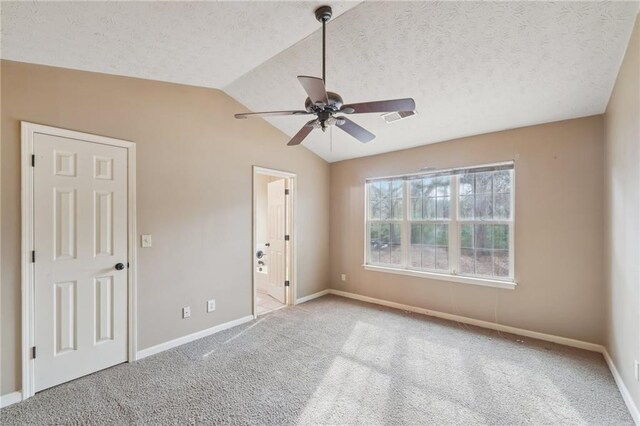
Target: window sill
x=487, y=282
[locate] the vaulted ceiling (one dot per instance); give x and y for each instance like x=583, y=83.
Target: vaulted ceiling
x=472, y=67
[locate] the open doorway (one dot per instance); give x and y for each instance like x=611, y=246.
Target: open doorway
x=273, y=240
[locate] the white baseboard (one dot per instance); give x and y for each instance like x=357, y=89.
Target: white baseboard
x=10, y=398
x=626, y=395
x=479, y=323
x=191, y=337
x=312, y=296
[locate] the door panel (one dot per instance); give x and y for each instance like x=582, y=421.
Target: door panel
x=80, y=233
x=276, y=204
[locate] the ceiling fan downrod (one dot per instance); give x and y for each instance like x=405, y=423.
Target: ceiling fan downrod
x=323, y=14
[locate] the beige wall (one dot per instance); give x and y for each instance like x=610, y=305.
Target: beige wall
x=558, y=229
x=622, y=217
x=194, y=174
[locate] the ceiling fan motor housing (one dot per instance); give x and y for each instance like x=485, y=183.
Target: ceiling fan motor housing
x=335, y=103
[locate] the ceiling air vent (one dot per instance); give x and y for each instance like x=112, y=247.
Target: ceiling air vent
x=398, y=115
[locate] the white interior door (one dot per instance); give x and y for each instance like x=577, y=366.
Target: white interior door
x=276, y=212
x=80, y=234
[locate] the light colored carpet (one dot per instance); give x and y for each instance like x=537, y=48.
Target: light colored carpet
x=337, y=361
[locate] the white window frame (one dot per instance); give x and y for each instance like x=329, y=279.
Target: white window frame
x=454, y=223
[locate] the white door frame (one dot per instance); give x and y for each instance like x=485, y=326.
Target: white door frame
x=292, y=291
x=28, y=289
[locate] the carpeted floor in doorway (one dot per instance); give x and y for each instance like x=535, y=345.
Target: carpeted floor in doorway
x=338, y=361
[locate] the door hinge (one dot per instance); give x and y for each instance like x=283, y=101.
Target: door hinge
x=286, y=238
x=33, y=352
x=33, y=256
x=33, y=160
x=286, y=283
x=286, y=192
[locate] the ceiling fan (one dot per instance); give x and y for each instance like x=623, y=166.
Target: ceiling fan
x=326, y=105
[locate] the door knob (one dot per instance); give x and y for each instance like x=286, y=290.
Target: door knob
x=119, y=266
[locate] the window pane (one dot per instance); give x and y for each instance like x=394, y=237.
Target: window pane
x=374, y=243
x=466, y=185
x=429, y=208
x=374, y=208
x=442, y=258
x=385, y=191
x=429, y=187
x=443, y=186
x=467, y=262
x=502, y=206
x=429, y=235
x=395, y=233
x=483, y=236
x=501, y=263
x=384, y=234
x=428, y=257
x=385, y=254
x=502, y=181
x=396, y=248
x=501, y=237
x=484, y=206
x=416, y=208
x=374, y=190
x=466, y=236
x=415, y=251
x=484, y=263
x=385, y=208
x=383, y=247
x=484, y=183
x=415, y=186
x=396, y=188
x=396, y=211
x=442, y=235
x=466, y=207
x=442, y=208
x=485, y=196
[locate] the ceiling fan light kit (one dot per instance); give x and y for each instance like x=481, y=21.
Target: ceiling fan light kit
x=327, y=105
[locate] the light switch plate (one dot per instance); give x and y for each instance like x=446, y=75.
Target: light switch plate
x=145, y=241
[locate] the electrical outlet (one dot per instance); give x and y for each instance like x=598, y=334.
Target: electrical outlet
x=186, y=312
x=343, y=277
x=636, y=370
x=145, y=241
x=211, y=305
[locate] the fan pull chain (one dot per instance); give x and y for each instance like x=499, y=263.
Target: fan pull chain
x=331, y=139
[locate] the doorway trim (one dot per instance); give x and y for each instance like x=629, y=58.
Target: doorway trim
x=27, y=267
x=291, y=258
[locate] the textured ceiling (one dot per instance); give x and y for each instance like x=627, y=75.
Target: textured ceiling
x=205, y=44
x=472, y=67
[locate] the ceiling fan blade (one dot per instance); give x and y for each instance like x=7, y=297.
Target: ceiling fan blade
x=270, y=114
x=355, y=130
x=392, y=105
x=314, y=87
x=302, y=133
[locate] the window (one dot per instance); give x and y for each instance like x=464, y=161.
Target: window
x=386, y=207
x=457, y=222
